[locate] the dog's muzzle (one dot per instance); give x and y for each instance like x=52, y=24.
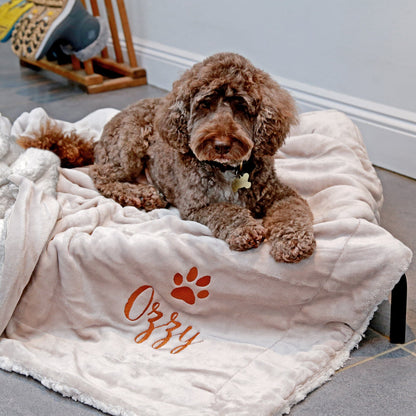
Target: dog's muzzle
x=221, y=140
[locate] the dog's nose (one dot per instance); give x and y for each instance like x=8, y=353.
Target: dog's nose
x=222, y=145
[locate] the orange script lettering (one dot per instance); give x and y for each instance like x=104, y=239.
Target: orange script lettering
x=144, y=295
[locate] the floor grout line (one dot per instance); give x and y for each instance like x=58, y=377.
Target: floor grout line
x=409, y=351
x=378, y=332
x=365, y=360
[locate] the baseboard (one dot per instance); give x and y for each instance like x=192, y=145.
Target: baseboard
x=388, y=132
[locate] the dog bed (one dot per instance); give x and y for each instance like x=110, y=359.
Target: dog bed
x=140, y=313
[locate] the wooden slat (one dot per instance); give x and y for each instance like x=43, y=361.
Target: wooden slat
x=66, y=71
x=115, y=84
x=89, y=69
x=76, y=64
x=119, y=68
x=127, y=32
x=114, y=32
x=96, y=12
x=94, y=8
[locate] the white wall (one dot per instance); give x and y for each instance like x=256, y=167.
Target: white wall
x=355, y=55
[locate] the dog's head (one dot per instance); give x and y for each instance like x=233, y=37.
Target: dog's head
x=225, y=110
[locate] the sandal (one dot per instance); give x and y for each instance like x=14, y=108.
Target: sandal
x=10, y=13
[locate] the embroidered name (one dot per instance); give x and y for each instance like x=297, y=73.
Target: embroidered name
x=169, y=329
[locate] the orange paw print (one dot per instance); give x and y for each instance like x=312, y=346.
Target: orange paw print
x=186, y=293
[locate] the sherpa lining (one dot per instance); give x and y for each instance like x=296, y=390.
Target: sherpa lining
x=97, y=46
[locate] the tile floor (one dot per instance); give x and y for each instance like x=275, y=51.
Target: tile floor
x=380, y=377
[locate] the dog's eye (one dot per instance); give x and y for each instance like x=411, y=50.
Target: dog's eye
x=205, y=105
x=239, y=105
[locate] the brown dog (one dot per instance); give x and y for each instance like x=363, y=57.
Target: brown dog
x=208, y=148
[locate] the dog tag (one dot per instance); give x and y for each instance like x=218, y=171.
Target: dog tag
x=241, y=182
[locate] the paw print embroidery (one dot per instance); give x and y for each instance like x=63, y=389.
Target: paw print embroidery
x=186, y=293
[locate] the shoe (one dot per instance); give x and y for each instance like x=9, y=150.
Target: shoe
x=10, y=13
x=56, y=53
x=80, y=33
x=24, y=30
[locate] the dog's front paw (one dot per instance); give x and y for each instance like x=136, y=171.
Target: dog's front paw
x=154, y=201
x=293, y=247
x=149, y=199
x=140, y=196
x=246, y=236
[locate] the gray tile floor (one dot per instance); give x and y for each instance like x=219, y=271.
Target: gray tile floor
x=379, y=379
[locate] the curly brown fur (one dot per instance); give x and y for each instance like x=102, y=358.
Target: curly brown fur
x=71, y=149
x=223, y=117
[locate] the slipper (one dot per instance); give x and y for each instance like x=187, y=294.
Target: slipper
x=82, y=34
x=10, y=15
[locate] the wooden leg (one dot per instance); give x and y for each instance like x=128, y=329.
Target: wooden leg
x=96, y=13
x=113, y=29
x=398, y=312
x=76, y=64
x=127, y=32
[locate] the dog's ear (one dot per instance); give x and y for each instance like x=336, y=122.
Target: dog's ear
x=276, y=113
x=172, y=121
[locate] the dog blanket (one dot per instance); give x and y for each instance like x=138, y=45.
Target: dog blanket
x=141, y=313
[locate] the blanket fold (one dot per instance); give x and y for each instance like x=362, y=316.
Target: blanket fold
x=27, y=182
x=141, y=313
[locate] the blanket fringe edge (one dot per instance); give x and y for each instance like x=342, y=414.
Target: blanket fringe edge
x=66, y=391
x=343, y=355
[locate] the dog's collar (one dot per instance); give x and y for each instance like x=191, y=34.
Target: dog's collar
x=243, y=167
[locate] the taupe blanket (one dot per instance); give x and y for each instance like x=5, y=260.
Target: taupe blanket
x=146, y=314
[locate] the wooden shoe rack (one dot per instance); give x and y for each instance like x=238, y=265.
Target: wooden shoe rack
x=101, y=73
